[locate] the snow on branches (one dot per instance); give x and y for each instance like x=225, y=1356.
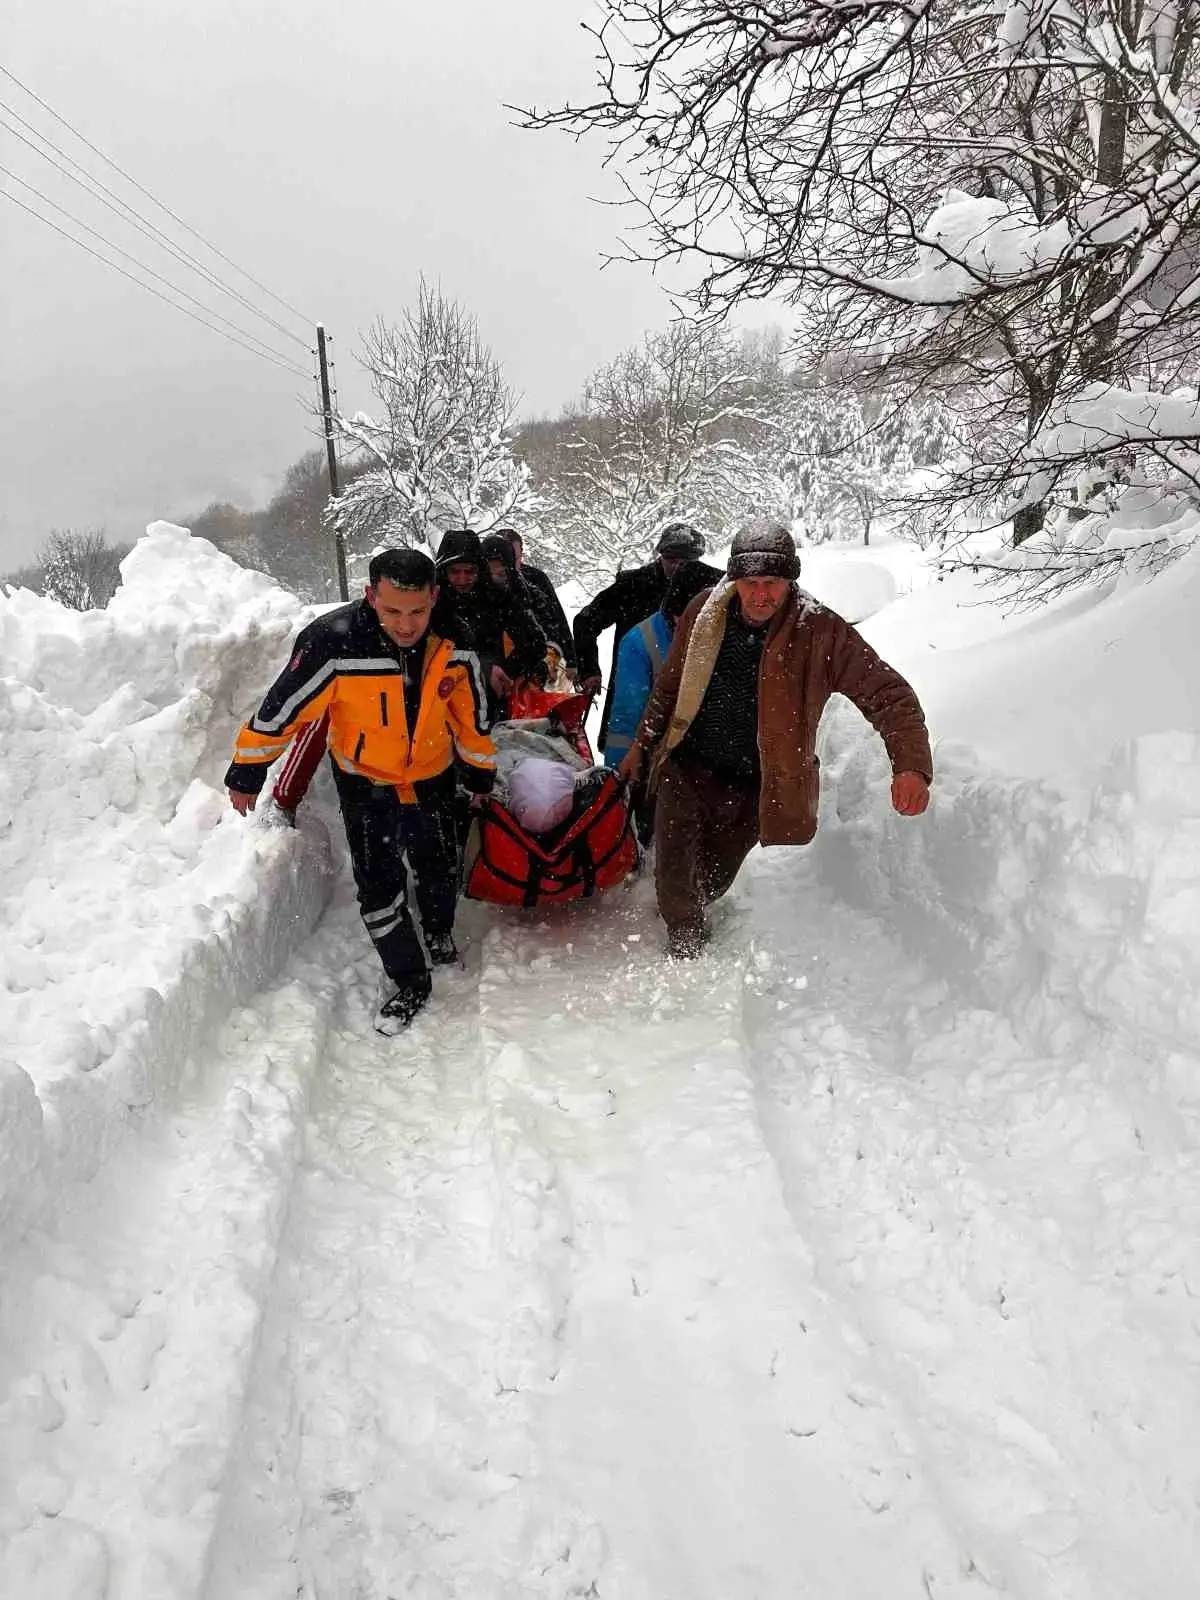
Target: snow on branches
x=672, y=430
x=438, y=453
x=999, y=201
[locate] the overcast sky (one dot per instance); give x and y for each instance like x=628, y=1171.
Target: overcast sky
x=335, y=152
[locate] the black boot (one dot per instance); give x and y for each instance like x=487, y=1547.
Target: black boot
x=395, y=1014
x=687, y=940
x=443, y=952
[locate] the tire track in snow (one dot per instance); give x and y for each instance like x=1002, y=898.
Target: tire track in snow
x=386, y=1447
x=952, y=1181
x=692, y=1385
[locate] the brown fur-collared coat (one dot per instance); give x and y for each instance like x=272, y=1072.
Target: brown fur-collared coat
x=810, y=653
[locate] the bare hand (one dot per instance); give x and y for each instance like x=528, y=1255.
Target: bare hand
x=500, y=681
x=631, y=767
x=910, y=794
x=592, y=684
x=243, y=804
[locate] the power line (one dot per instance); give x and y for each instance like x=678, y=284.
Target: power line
x=277, y=361
x=142, y=267
x=126, y=212
x=195, y=233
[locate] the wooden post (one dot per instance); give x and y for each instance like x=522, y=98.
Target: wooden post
x=339, y=543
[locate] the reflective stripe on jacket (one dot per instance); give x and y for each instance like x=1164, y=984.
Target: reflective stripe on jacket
x=345, y=665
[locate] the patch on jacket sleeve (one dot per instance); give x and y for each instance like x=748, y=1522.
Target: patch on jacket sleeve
x=446, y=688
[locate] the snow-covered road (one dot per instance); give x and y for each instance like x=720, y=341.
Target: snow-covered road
x=541, y=1322
x=612, y=1278
x=856, y=1261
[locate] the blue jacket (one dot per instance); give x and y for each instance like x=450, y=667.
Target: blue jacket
x=640, y=658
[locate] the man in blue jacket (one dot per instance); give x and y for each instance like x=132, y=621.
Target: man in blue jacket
x=640, y=658
x=641, y=654
x=628, y=600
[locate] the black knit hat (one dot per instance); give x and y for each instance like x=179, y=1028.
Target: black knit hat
x=763, y=549
x=459, y=544
x=682, y=540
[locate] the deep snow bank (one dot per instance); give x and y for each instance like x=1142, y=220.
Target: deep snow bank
x=1050, y=693
x=1051, y=908
x=136, y=907
x=1061, y=858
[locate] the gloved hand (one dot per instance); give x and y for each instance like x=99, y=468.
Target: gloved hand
x=910, y=794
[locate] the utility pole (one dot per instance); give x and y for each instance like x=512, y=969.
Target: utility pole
x=339, y=543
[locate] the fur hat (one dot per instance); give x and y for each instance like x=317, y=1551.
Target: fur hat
x=763, y=548
x=680, y=539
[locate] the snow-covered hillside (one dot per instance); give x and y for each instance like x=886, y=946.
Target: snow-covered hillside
x=858, y=1259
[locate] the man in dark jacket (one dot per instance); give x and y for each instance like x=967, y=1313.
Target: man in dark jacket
x=732, y=726
x=553, y=617
x=503, y=571
x=506, y=635
x=629, y=599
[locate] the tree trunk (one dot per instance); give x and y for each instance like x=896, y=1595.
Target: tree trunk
x=1097, y=356
x=1028, y=521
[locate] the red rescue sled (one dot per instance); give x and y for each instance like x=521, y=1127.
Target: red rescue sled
x=588, y=853
x=582, y=857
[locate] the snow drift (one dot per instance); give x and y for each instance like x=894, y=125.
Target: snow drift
x=135, y=906
x=1062, y=856
x=887, y=1207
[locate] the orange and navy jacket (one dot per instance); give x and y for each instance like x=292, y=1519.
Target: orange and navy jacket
x=344, y=664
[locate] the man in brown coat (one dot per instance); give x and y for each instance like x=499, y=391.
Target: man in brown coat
x=731, y=726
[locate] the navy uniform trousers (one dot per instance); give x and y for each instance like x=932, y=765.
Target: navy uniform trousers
x=387, y=839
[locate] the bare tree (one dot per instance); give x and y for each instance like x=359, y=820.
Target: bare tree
x=438, y=452
x=81, y=570
x=669, y=431
x=1007, y=206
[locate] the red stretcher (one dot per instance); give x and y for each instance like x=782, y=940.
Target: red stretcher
x=582, y=857
x=588, y=853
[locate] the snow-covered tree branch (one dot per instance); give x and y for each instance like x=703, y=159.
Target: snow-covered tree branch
x=1003, y=201
x=438, y=450
x=671, y=430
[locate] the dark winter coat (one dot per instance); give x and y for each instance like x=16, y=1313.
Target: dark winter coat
x=518, y=589
x=500, y=630
x=629, y=599
x=552, y=616
x=809, y=654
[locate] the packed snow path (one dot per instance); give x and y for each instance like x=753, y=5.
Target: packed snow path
x=542, y=1324
x=787, y=1273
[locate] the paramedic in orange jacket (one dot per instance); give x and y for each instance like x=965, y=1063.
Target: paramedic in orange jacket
x=404, y=705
